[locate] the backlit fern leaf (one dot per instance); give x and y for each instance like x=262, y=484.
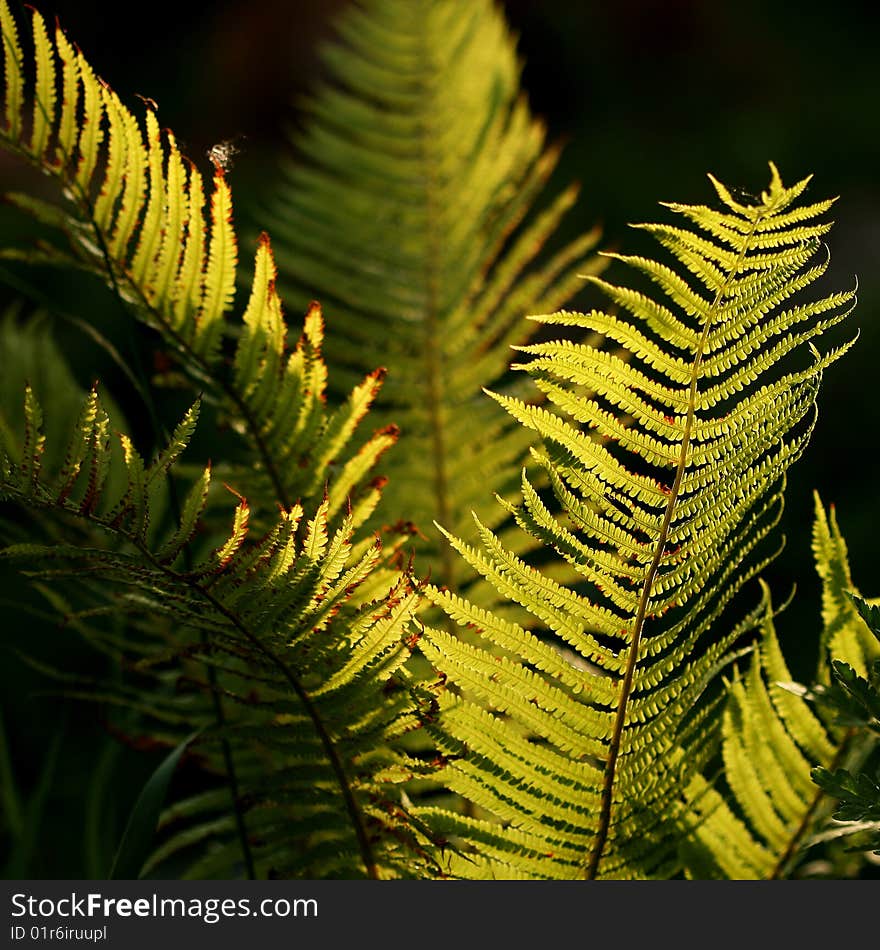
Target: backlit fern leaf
x=845, y=635
x=413, y=211
x=773, y=739
x=141, y=215
x=581, y=736
x=317, y=696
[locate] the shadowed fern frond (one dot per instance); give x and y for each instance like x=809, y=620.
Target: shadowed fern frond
x=317, y=697
x=581, y=737
x=416, y=210
x=285, y=633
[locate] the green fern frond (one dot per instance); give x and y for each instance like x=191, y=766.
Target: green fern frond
x=416, y=210
x=313, y=674
x=664, y=519
x=774, y=741
x=141, y=215
x=845, y=634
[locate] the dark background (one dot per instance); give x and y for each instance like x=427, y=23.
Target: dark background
x=649, y=96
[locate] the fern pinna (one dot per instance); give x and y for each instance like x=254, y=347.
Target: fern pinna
x=580, y=738
x=295, y=638
x=412, y=210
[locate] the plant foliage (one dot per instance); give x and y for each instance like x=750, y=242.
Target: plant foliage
x=316, y=673
x=139, y=214
x=774, y=742
x=417, y=208
x=664, y=518
x=298, y=634
x=598, y=723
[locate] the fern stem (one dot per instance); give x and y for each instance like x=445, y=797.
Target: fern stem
x=606, y=803
x=306, y=700
x=807, y=820
x=231, y=774
x=433, y=352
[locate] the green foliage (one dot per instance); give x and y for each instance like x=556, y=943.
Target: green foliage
x=292, y=643
x=773, y=742
x=855, y=703
x=316, y=675
x=578, y=729
x=137, y=213
x=417, y=210
x=664, y=518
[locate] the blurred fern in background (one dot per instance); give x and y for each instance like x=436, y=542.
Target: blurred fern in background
x=416, y=208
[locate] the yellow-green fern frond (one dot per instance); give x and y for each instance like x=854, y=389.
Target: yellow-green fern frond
x=773, y=738
x=582, y=735
x=413, y=211
x=311, y=669
x=140, y=214
x=845, y=635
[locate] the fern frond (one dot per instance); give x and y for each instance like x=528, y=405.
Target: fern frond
x=664, y=520
x=774, y=742
x=413, y=211
x=845, y=633
x=313, y=674
x=139, y=214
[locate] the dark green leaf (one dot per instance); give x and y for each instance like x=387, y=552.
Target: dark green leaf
x=870, y=613
x=137, y=839
x=866, y=697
